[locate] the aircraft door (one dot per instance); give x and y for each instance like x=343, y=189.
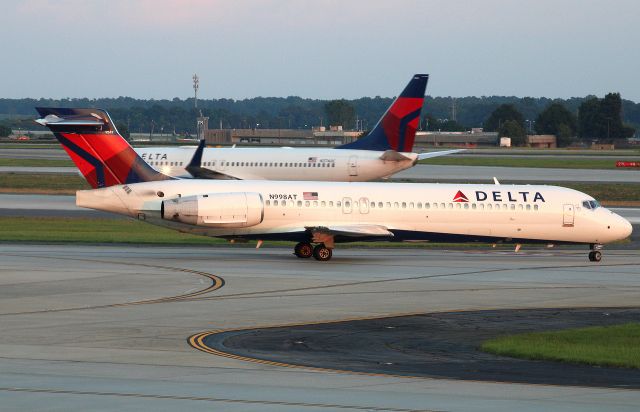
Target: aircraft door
x=346, y=205
x=353, y=165
x=568, y=215
x=364, y=205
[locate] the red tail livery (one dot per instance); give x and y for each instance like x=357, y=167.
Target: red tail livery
x=92, y=141
x=396, y=130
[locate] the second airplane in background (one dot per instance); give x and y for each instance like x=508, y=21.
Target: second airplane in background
x=386, y=150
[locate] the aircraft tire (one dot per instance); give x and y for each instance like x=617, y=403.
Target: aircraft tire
x=322, y=253
x=595, y=256
x=303, y=250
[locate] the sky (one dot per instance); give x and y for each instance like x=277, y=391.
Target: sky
x=318, y=48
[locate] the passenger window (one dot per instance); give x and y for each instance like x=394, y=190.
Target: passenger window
x=513, y=207
x=323, y=204
x=347, y=204
x=435, y=205
x=419, y=205
x=372, y=205
x=404, y=205
x=331, y=203
x=396, y=205
x=268, y=202
x=338, y=203
x=299, y=203
x=307, y=203
x=535, y=207
x=380, y=205
x=450, y=205
x=528, y=207
x=466, y=205
x=481, y=206
x=519, y=207
x=315, y=203
x=473, y=206
x=275, y=203
x=411, y=205
x=388, y=205
x=458, y=205
x=489, y=207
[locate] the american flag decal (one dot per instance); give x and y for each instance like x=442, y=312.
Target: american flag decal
x=312, y=159
x=310, y=195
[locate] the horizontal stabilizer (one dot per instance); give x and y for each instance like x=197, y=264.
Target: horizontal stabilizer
x=429, y=155
x=393, y=156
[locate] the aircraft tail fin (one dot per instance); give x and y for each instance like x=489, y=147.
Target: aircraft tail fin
x=396, y=130
x=195, y=165
x=91, y=139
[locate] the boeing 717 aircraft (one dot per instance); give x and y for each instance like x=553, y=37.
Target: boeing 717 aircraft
x=318, y=215
x=385, y=151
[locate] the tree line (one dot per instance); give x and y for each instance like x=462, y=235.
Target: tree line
x=590, y=117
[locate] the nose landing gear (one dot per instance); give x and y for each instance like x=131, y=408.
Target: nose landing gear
x=595, y=255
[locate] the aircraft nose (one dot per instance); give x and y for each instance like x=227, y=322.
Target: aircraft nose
x=622, y=227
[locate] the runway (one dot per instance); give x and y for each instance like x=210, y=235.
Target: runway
x=104, y=328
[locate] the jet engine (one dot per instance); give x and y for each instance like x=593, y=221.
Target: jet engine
x=216, y=210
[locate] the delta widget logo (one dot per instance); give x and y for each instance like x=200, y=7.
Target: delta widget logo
x=460, y=197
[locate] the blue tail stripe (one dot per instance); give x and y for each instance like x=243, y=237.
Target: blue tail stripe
x=404, y=122
x=97, y=164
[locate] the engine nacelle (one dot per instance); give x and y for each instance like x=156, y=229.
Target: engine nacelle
x=216, y=209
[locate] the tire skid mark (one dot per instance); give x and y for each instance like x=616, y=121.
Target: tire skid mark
x=217, y=282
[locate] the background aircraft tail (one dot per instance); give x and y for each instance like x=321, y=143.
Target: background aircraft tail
x=396, y=130
x=92, y=141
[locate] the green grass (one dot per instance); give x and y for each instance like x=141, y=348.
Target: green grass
x=41, y=183
x=87, y=231
x=617, y=346
x=36, y=162
x=542, y=162
x=83, y=230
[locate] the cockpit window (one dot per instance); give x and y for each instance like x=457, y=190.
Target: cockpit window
x=591, y=204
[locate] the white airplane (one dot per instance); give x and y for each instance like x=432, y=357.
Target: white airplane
x=323, y=213
x=385, y=151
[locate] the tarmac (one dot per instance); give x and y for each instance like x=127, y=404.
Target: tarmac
x=438, y=173
x=108, y=327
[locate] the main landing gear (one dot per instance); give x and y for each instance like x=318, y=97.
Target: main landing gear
x=595, y=255
x=320, y=252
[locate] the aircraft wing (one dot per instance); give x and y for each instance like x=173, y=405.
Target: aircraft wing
x=351, y=230
x=429, y=155
x=196, y=170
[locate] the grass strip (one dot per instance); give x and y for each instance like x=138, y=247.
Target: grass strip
x=41, y=183
x=541, y=162
x=617, y=346
x=129, y=231
x=36, y=162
